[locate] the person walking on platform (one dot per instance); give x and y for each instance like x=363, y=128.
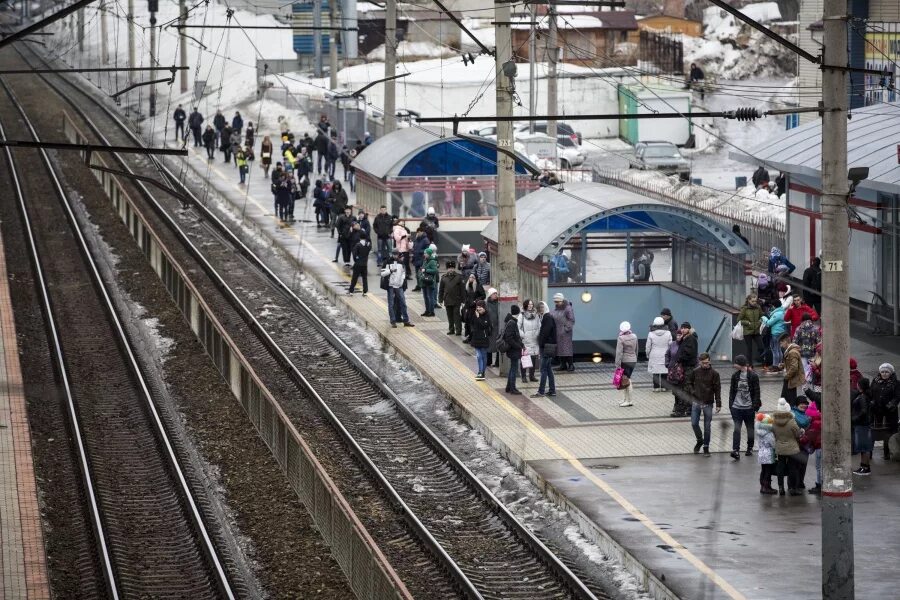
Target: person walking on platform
x=225, y=143
x=383, y=227
x=529, y=328
x=219, y=123
x=547, y=345
x=237, y=123
x=743, y=402
x=361, y=265
x=241, y=160
x=626, y=359
x=321, y=149
x=249, y=135
x=339, y=201
x=393, y=280
x=704, y=387
x=283, y=193
x=512, y=342
x=683, y=363
x=493, y=308
x=473, y=293
x=564, y=315
x=209, y=142
x=344, y=224
x=235, y=144
x=657, y=345
x=482, y=334
x=179, y=116
x=265, y=155
x=195, y=123
x=451, y=294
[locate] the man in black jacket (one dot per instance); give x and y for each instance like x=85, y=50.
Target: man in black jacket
x=546, y=335
x=383, y=227
x=687, y=358
x=344, y=224
x=705, y=388
x=743, y=402
x=195, y=122
x=361, y=265
x=219, y=123
x=179, y=117
x=321, y=149
x=514, y=347
x=812, y=284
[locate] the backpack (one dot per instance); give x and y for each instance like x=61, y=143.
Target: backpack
x=502, y=345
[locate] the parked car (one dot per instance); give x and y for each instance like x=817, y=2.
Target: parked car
x=570, y=155
x=488, y=132
x=660, y=156
x=562, y=128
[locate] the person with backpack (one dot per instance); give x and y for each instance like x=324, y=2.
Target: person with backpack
x=393, y=281
x=510, y=343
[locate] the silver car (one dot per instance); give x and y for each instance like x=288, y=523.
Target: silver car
x=661, y=156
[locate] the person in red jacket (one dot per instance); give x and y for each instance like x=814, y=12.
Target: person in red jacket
x=794, y=315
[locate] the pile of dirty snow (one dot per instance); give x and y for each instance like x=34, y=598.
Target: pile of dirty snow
x=413, y=51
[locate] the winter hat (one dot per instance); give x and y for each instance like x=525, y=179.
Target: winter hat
x=429, y=251
x=451, y=264
x=886, y=367
x=465, y=248
x=686, y=325
x=558, y=297
x=783, y=406
x=666, y=312
x=761, y=417
x=624, y=326
x=480, y=254
x=430, y=210
x=432, y=247
x=514, y=310
x=659, y=322
x=853, y=364
x=491, y=292
x=763, y=280
x=472, y=250
x=774, y=252
x=740, y=360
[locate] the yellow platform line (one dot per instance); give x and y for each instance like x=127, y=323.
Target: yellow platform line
x=526, y=421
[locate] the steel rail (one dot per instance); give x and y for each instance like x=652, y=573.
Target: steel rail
x=59, y=361
x=193, y=510
x=565, y=575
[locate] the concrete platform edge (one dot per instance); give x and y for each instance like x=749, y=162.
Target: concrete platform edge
x=590, y=529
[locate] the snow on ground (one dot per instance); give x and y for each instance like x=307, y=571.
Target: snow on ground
x=410, y=50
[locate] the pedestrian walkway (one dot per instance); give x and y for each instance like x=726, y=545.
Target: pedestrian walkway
x=23, y=566
x=688, y=526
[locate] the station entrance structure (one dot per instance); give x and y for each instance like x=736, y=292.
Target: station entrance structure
x=697, y=267
x=416, y=168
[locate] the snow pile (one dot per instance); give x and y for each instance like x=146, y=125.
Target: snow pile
x=733, y=50
x=413, y=50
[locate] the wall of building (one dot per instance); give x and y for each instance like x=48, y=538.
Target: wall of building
x=671, y=24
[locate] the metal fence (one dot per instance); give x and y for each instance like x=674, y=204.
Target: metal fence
x=762, y=231
x=661, y=52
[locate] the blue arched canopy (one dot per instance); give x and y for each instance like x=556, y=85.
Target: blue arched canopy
x=426, y=152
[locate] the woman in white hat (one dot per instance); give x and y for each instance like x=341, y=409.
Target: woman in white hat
x=658, y=341
x=626, y=359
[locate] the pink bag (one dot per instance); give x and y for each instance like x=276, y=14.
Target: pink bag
x=617, y=377
x=525, y=362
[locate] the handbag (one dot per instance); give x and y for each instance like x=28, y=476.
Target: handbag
x=738, y=332
x=625, y=382
x=676, y=374
x=550, y=350
x=526, y=360
x=617, y=377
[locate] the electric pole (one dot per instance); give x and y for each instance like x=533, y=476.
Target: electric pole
x=131, y=61
x=837, y=484
x=182, y=40
x=104, y=53
x=505, y=267
x=390, y=66
x=552, y=57
x=153, y=6
x=317, y=37
x=532, y=50
x=332, y=44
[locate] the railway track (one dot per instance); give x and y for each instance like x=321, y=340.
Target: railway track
x=478, y=545
x=149, y=536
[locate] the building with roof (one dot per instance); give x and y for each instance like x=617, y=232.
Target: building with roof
x=872, y=141
x=671, y=24
x=584, y=38
x=417, y=168
x=697, y=264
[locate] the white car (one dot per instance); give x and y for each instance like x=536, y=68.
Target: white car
x=568, y=152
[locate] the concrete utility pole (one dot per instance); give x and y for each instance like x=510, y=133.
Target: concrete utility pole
x=182, y=41
x=152, y=62
x=504, y=266
x=390, y=66
x=131, y=60
x=317, y=37
x=532, y=50
x=332, y=44
x=837, y=484
x=552, y=57
x=104, y=52
x=80, y=31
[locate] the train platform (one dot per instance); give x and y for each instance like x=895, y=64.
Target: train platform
x=686, y=525
x=23, y=564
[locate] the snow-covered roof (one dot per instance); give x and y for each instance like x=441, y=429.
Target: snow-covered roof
x=872, y=136
x=573, y=21
x=547, y=218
